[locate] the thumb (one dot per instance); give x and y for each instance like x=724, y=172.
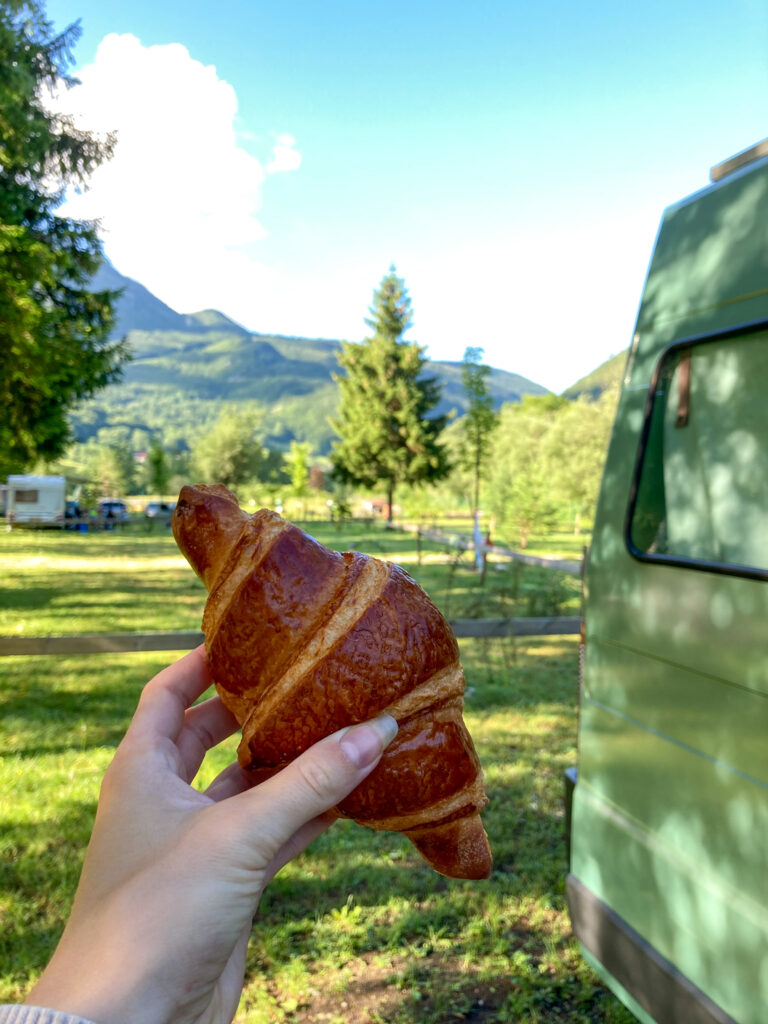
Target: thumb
x=312, y=784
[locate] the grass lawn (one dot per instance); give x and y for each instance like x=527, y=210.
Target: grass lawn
x=358, y=929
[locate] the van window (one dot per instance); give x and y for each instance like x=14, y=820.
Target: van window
x=26, y=497
x=700, y=496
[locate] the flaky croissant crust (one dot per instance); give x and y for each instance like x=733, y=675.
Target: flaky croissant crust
x=303, y=640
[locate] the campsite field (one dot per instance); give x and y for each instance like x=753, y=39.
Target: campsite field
x=358, y=929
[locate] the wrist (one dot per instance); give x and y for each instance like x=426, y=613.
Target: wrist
x=102, y=983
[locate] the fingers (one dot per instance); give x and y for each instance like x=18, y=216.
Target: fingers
x=166, y=697
x=269, y=815
x=235, y=779
x=298, y=842
x=205, y=725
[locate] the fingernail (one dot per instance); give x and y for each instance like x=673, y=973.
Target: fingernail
x=363, y=743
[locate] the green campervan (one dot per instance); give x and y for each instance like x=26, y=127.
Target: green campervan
x=668, y=883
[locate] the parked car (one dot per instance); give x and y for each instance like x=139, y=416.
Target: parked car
x=113, y=508
x=159, y=509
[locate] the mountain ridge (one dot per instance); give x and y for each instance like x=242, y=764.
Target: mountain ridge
x=184, y=366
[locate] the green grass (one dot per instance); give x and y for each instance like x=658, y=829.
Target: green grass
x=557, y=543
x=358, y=928
x=134, y=580
x=120, y=581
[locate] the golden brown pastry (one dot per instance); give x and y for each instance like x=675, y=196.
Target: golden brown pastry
x=303, y=640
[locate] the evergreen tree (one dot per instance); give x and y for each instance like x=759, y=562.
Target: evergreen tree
x=54, y=347
x=480, y=419
x=386, y=433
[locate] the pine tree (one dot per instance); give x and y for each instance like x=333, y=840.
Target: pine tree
x=387, y=435
x=54, y=347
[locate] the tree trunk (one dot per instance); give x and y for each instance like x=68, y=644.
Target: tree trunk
x=390, y=495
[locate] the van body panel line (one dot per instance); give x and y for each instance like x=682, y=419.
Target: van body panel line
x=659, y=987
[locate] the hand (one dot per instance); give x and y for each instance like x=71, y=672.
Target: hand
x=172, y=876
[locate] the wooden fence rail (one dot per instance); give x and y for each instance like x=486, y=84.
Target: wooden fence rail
x=121, y=643
x=464, y=542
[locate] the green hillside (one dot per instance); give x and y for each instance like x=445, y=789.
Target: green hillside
x=606, y=375
x=185, y=366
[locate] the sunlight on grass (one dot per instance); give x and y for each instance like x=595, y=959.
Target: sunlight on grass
x=79, y=563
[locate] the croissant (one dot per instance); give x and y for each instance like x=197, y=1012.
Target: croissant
x=303, y=640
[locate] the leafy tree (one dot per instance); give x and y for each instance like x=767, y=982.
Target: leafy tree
x=141, y=439
x=457, y=488
x=54, y=347
x=386, y=433
x=480, y=419
x=297, y=461
x=575, y=449
x=272, y=472
x=158, y=468
x=231, y=452
x=521, y=495
x=110, y=467
x=179, y=459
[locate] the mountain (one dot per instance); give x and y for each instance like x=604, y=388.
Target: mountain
x=185, y=365
x=607, y=375
x=137, y=308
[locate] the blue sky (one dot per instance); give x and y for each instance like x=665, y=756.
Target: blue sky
x=512, y=160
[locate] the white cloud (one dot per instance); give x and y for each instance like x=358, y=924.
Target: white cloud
x=285, y=156
x=179, y=202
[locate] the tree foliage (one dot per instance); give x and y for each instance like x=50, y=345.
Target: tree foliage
x=297, y=463
x=387, y=435
x=575, y=450
x=54, y=347
x=158, y=470
x=522, y=500
x=231, y=451
x=547, y=462
x=478, y=423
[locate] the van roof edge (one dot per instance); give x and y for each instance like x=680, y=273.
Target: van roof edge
x=735, y=163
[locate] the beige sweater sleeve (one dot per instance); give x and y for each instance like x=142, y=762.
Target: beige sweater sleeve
x=12, y=1014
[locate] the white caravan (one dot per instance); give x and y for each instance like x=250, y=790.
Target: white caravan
x=36, y=499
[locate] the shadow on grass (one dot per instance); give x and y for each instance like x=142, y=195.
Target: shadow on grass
x=351, y=864
x=439, y=988
x=509, y=673
x=99, y=719
x=52, y=705
x=105, y=602
x=40, y=865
